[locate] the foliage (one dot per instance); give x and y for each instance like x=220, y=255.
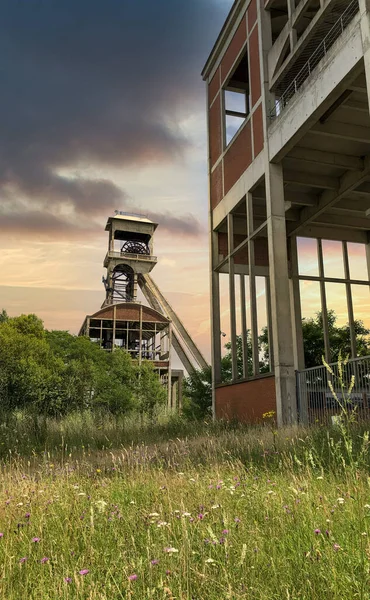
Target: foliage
x=339, y=337
x=53, y=373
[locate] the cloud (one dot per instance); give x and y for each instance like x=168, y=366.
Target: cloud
x=93, y=84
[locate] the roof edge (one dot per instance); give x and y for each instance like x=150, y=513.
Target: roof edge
x=227, y=26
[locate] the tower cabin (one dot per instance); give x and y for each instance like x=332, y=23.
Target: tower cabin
x=288, y=85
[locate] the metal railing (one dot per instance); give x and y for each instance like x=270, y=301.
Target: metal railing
x=322, y=49
x=317, y=402
x=131, y=256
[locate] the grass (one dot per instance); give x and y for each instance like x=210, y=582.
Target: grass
x=183, y=511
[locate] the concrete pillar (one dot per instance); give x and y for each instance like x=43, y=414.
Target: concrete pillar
x=230, y=238
x=215, y=319
x=298, y=346
x=286, y=404
x=252, y=285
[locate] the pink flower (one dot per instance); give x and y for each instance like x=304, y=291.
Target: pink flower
x=44, y=560
x=23, y=560
x=317, y=531
x=1, y=535
x=35, y=539
x=132, y=577
x=84, y=571
x=336, y=547
x=68, y=579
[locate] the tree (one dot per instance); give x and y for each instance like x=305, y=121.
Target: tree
x=339, y=339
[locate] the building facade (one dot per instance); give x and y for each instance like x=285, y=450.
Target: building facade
x=289, y=170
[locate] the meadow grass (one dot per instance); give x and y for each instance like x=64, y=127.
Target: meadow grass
x=184, y=511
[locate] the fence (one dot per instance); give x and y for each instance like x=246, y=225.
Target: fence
x=318, y=403
x=326, y=43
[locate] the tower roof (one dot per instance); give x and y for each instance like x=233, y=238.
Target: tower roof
x=131, y=217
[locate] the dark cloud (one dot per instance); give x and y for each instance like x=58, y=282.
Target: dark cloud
x=96, y=83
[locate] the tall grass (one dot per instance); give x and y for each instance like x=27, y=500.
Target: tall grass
x=105, y=509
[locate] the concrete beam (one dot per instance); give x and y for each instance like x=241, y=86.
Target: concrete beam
x=341, y=221
x=349, y=181
x=332, y=159
x=345, y=131
x=311, y=180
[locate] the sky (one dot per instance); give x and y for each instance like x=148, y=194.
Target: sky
x=103, y=108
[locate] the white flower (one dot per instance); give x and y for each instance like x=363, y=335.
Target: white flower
x=81, y=494
x=340, y=500
x=101, y=504
x=210, y=560
x=192, y=479
x=186, y=514
x=215, y=506
x=20, y=504
x=367, y=506
x=162, y=524
x=153, y=515
x=321, y=477
x=171, y=550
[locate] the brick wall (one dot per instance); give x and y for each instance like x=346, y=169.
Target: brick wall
x=249, y=141
x=246, y=401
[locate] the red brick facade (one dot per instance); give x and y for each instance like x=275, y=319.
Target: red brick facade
x=246, y=401
x=249, y=141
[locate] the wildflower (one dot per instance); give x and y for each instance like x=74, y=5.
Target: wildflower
x=336, y=547
x=215, y=506
x=98, y=470
x=186, y=514
x=327, y=533
x=44, y=560
x=200, y=516
x=340, y=500
x=162, y=524
x=367, y=506
x=237, y=520
x=225, y=531
x=27, y=515
x=317, y=531
x=84, y=571
x=210, y=560
x=68, y=579
x=153, y=515
x=168, y=572
x=1, y=535
x=23, y=560
x=35, y=540
x=132, y=577
x=170, y=550
x=155, y=561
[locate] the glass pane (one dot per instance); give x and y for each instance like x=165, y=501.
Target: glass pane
x=235, y=101
x=357, y=262
x=333, y=259
x=308, y=263
x=233, y=124
x=262, y=324
x=336, y=302
x=313, y=337
x=361, y=304
x=339, y=332
x=224, y=311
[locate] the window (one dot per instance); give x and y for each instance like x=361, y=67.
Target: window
x=236, y=98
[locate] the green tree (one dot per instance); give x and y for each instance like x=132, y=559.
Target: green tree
x=339, y=339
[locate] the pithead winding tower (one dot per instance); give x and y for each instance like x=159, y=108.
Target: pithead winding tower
x=123, y=322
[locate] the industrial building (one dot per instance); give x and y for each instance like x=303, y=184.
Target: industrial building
x=124, y=323
x=289, y=172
